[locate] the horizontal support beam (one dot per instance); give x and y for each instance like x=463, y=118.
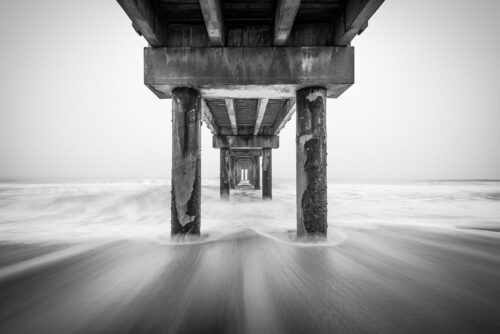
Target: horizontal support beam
x=145, y=20
x=212, y=14
x=208, y=117
x=261, y=110
x=248, y=91
x=245, y=141
x=286, y=10
x=354, y=19
x=284, y=116
x=283, y=70
x=232, y=115
x=253, y=91
x=245, y=153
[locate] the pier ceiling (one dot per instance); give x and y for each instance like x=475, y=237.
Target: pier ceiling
x=203, y=23
x=248, y=58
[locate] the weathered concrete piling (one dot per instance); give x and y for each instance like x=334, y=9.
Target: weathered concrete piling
x=186, y=161
x=267, y=173
x=257, y=173
x=232, y=176
x=225, y=173
x=311, y=162
x=252, y=65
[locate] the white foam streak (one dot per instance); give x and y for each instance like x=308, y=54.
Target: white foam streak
x=73, y=211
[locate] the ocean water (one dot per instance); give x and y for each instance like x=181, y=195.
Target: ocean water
x=139, y=209
x=80, y=256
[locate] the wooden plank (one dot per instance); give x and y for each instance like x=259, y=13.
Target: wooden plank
x=354, y=19
x=286, y=10
x=261, y=110
x=208, y=117
x=232, y=115
x=145, y=20
x=212, y=14
x=284, y=116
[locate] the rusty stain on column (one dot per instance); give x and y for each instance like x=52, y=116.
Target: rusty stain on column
x=267, y=173
x=311, y=162
x=186, y=161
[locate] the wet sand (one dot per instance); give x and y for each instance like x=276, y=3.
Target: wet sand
x=385, y=280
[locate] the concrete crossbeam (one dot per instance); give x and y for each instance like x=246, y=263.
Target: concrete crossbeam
x=245, y=152
x=245, y=141
x=278, y=69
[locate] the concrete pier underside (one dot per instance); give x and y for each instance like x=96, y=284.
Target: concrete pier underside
x=249, y=66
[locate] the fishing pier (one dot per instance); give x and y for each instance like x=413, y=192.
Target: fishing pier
x=244, y=67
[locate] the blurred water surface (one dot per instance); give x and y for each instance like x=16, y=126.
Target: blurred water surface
x=78, y=210
x=80, y=256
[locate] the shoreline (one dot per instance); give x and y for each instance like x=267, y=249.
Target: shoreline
x=385, y=279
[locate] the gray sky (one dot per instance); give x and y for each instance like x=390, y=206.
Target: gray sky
x=426, y=102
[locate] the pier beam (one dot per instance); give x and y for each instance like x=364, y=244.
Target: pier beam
x=225, y=173
x=186, y=161
x=311, y=162
x=257, y=173
x=267, y=173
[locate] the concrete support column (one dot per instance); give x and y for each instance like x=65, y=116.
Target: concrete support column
x=311, y=162
x=186, y=161
x=232, y=173
x=225, y=173
x=257, y=173
x=251, y=173
x=267, y=173
x=238, y=173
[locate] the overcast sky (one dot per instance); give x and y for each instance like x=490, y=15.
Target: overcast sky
x=425, y=105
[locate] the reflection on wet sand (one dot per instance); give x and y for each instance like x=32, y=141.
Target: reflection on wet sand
x=388, y=280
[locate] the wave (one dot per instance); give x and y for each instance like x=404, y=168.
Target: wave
x=140, y=209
